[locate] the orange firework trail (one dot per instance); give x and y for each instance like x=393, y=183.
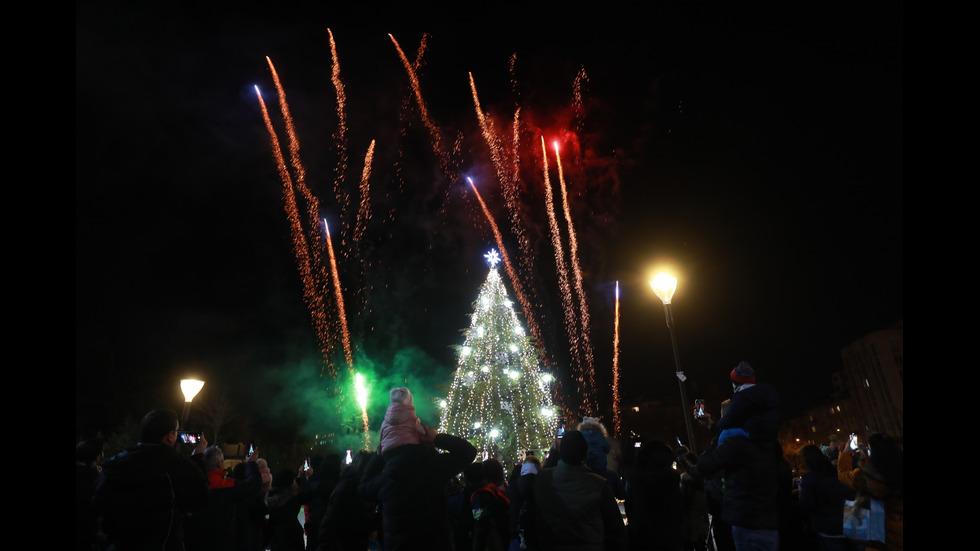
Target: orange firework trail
x=617, y=414
x=340, y=136
x=312, y=203
x=505, y=163
x=518, y=290
x=348, y=355
x=588, y=368
x=363, y=217
x=434, y=132
x=578, y=103
x=364, y=213
x=563, y=283
x=311, y=294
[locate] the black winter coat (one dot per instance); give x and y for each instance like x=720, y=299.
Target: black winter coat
x=755, y=409
x=822, y=498
x=146, y=491
x=410, y=484
x=750, y=470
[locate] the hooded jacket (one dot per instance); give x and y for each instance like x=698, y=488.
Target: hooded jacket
x=575, y=510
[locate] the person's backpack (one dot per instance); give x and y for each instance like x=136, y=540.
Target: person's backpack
x=500, y=509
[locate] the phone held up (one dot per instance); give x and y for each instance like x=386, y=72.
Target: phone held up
x=698, y=408
x=561, y=427
x=190, y=437
x=853, y=444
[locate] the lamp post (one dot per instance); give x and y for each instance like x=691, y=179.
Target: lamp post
x=664, y=286
x=190, y=388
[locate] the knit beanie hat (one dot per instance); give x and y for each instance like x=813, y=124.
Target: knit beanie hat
x=401, y=395
x=574, y=448
x=743, y=374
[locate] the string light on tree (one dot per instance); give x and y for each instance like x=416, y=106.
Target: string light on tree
x=500, y=399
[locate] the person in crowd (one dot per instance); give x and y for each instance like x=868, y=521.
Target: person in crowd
x=521, y=495
x=574, y=507
x=459, y=510
x=284, y=501
x=489, y=507
x=822, y=497
x=695, y=523
x=791, y=534
x=326, y=476
x=400, y=425
x=719, y=530
x=266, y=473
x=833, y=450
x=598, y=438
x=217, y=525
x=148, y=488
x=653, y=503
x=250, y=512
x=349, y=520
x=750, y=497
x=88, y=476
x=495, y=472
x=410, y=482
x=879, y=474
x=753, y=407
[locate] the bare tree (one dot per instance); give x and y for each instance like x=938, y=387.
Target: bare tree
x=214, y=413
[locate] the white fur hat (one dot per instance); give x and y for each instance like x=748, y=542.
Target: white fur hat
x=401, y=395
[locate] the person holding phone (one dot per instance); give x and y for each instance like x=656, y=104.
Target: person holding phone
x=149, y=488
x=878, y=472
x=213, y=527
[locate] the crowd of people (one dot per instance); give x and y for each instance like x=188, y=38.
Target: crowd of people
x=424, y=490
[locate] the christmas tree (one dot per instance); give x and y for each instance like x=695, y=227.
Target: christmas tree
x=500, y=399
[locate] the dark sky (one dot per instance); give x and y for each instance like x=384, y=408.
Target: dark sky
x=759, y=154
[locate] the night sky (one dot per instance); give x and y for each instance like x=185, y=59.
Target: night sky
x=758, y=154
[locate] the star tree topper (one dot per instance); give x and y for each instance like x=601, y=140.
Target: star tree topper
x=492, y=257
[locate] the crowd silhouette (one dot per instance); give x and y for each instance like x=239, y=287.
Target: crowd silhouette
x=423, y=490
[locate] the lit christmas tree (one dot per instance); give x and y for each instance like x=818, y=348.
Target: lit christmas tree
x=500, y=399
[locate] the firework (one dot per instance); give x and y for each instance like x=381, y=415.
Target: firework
x=587, y=376
x=311, y=292
x=342, y=315
x=617, y=414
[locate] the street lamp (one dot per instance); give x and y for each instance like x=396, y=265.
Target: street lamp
x=664, y=286
x=190, y=388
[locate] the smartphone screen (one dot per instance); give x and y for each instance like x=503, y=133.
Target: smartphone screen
x=561, y=427
x=854, y=442
x=679, y=443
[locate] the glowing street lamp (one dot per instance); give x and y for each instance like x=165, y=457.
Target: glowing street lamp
x=190, y=388
x=664, y=286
